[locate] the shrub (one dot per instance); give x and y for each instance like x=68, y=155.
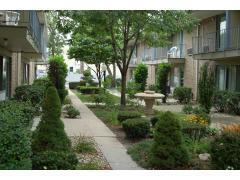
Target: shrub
x=162, y=79
x=136, y=128
x=206, y=87
x=73, y=85
x=71, y=111
x=132, y=89
x=227, y=101
x=154, y=120
x=187, y=109
x=220, y=100
x=124, y=115
x=225, y=149
x=84, y=145
x=233, y=102
x=87, y=76
x=67, y=100
x=89, y=89
x=183, y=94
x=57, y=73
x=22, y=111
x=34, y=94
x=43, y=82
x=140, y=76
x=50, y=135
x=15, y=139
x=54, y=160
x=168, y=151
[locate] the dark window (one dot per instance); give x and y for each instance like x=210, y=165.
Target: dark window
x=71, y=69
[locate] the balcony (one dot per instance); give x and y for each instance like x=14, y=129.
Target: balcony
x=176, y=54
x=21, y=31
x=217, y=45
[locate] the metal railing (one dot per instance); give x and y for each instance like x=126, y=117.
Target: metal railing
x=226, y=39
x=28, y=19
x=176, y=51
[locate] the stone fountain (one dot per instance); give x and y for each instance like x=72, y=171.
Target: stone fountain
x=149, y=99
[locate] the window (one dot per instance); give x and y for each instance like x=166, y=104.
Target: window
x=221, y=31
x=71, y=69
x=227, y=77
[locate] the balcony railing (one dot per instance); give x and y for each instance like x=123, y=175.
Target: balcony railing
x=226, y=39
x=176, y=51
x=28, y=19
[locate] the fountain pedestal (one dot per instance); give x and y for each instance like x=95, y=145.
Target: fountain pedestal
x=149, y=99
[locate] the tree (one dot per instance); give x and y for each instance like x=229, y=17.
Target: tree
x=57, y=73
x=206, y=87
x=126, y=29
x=56, y=40
x=91, y=50
x=140, y=76
x=162, y=79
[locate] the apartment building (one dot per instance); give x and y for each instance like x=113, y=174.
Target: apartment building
x=23, y=45
x=215, y=40
x=218, y=41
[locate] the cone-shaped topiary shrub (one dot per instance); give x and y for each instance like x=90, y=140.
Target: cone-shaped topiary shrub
x=50, y=134
x=168, y=151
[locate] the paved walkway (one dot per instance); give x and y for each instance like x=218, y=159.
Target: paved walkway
x=89, y=125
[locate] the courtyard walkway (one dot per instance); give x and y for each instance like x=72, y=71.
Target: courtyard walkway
x=89, y=125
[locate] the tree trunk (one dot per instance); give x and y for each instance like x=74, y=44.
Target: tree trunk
x=123, y=89
x=114, y=76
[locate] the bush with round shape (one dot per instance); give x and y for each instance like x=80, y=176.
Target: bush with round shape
x=124, y=115
x=50, y=134
x=43, y=82
x=168, y=150
x=183, y=94
x=136, y=128
x=225, y=149
x=54, y=160
x=187, y=109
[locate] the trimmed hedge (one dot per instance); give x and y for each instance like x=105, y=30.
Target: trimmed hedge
x=124, y=115
x=54, y=160
x=183, y=94
x=136, y=128
x=74, y=85
x=89, y=89
x=15, y=139
x=31, y=93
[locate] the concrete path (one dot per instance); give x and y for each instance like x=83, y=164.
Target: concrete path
x=89, y=125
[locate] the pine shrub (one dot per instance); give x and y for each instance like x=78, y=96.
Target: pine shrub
x=50, y=134
x=140, y=76
x=206, y=87
x=168, y=151
x=162, y=79
x=183, y=94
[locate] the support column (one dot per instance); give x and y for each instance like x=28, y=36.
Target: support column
x=16, y=71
